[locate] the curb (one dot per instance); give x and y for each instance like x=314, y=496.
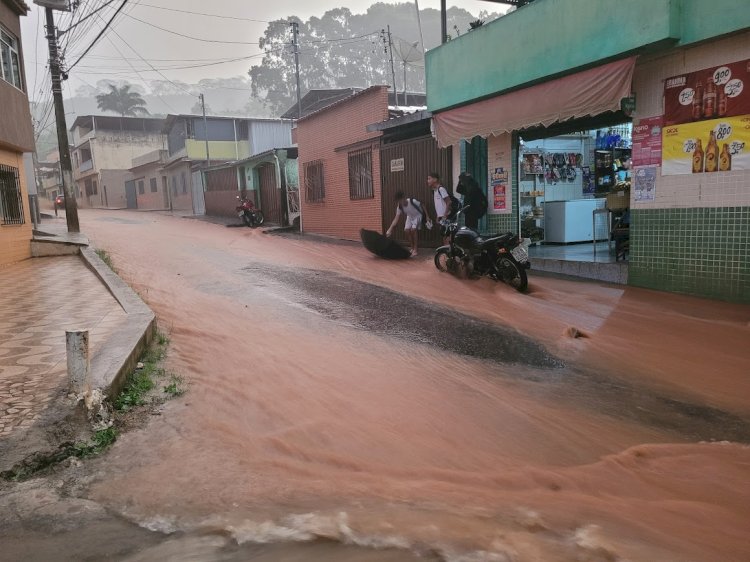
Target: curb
x=118, y=355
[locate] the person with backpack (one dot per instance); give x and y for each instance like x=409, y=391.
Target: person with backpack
x=415, y=215
x=475, y=200
x=446, y=204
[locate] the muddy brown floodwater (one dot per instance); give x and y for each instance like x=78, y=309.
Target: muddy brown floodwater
x=327, y=404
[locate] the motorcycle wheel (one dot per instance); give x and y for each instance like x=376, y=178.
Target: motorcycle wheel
x=512, y=274
x=259, y=218
x=247, y=219
x=444, y=261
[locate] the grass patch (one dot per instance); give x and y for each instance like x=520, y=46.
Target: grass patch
x=142, y=380
x=99, y=443
x=106, y=258
x=176, y=386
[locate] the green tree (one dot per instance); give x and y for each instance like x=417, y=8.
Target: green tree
x=123, y=101
x=341, y=49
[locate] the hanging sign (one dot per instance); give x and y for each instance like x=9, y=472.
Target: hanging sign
x=627, y=105
x=707, y=120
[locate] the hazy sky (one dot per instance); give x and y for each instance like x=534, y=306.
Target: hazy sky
x=114, y=55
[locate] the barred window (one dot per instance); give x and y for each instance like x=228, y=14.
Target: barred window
x=11, y=203
x=315, y=189
x=154, y=185
x=360, y=174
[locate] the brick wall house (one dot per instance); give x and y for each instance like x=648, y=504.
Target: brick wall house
x=16, y=138
x=339, y=165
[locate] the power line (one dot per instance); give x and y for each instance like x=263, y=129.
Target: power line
x=190, y=36
x=102, y=32
x=211, y=15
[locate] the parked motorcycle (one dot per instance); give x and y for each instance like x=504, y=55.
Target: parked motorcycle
x=503, y=257
x=248, y=213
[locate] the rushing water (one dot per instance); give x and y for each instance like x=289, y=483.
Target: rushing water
x=311, y=416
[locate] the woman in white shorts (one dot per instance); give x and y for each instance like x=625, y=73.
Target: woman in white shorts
x=414, y=212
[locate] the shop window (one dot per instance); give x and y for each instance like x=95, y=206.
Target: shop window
x=11, y=202
x=10, y=69
x=360, y=174
x=141, y=187
x=315, y=189
x=154, y=185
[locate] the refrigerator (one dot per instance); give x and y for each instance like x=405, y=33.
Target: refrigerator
x=573, y=221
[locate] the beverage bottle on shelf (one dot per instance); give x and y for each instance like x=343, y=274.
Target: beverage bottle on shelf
x=725, y=159
x=709, y=99
x=698, y=102
x=698, y=157
x=712, y=154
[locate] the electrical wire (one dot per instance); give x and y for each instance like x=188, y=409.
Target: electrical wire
x=190, y=36
x=101, y=33
x=211, y=15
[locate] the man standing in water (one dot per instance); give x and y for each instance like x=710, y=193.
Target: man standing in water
x=414, y=212
x=441, y=197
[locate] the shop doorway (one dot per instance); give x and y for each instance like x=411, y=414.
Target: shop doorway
x=574, y=192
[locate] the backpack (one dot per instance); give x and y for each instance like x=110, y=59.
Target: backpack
x=418, y=204
x=455, y=206
x=482, y=206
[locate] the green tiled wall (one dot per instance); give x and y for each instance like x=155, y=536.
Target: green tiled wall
x=509, y=222
x=700, y=251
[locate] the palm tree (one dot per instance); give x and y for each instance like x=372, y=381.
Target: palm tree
x=122, y=101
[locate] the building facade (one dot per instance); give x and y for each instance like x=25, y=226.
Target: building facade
x=194, y=145
x=669, y=68
x=16, y=138
x=103, y=151
x=147, y=189
x=339, y=165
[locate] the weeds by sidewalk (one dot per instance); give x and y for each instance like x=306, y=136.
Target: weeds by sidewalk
x=106, y=258
x=146, y=388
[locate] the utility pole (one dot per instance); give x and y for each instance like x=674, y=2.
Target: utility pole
x=205, y=128
x=443, y=22
x=295, y=42
x=66, y=167
x=389, y=49
x=405, y=102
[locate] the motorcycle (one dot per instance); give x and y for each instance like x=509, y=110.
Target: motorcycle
x=248, y=213
x=503, y=257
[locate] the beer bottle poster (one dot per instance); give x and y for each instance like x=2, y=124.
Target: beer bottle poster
x=707, y=120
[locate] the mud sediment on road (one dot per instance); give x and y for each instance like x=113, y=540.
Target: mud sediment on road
x=302, y=423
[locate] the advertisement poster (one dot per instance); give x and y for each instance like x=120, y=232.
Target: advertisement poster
x=707, y=120
x=587, y=179
x=500, y=191
x=647, y=141
x=644, y=183
x=719, y=145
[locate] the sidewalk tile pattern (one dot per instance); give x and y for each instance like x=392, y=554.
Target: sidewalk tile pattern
x=40, y=299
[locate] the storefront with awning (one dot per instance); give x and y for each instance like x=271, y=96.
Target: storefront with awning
x=580, y=121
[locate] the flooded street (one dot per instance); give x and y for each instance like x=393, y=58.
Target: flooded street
x=338, y=401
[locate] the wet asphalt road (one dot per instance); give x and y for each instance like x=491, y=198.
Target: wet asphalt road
x=391, y=314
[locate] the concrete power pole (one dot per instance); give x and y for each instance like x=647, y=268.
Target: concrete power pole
x=66, y=167
x=205, y=128
x=295, y=42
x=387, y=37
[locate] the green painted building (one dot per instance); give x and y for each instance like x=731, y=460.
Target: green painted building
x=556, y=67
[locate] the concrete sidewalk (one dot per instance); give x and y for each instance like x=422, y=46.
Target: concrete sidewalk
x=40, y=299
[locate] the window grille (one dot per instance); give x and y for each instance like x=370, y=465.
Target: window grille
x=314, y=181
x=360, y=174
x=11, y=202
x=154, y=185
